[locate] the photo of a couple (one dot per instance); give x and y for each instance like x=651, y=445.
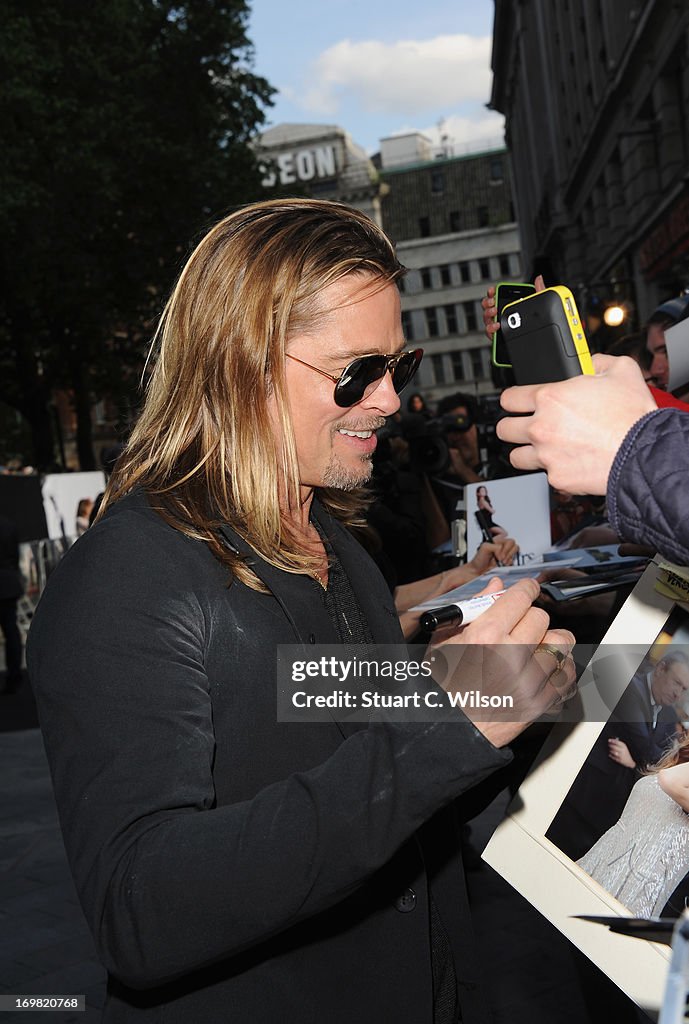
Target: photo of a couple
x=625, y=819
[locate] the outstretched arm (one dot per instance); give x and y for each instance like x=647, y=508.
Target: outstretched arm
x=675, y=782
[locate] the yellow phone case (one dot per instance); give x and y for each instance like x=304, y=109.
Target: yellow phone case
x=545, y=337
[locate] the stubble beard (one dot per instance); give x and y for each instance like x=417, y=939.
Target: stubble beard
x=343, y=477
x=347, y=478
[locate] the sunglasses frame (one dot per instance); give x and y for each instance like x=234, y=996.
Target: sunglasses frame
x=390, y=367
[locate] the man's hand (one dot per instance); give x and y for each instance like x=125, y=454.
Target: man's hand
x=618, y=751
x=490, y=310
x=498, y=654
x=488, y=556
x=576, y=426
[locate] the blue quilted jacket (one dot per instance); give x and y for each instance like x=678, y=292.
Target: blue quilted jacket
x=648, y=487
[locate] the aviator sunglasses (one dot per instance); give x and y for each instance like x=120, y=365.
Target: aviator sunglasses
x=361, y=377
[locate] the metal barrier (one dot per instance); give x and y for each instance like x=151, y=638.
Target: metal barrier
x=37, y=560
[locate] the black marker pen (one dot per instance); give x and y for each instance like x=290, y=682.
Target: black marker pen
x=458, y=614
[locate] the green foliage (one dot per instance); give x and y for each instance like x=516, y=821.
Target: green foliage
x=126, y=129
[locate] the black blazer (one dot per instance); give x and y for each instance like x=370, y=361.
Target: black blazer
x=231, y=867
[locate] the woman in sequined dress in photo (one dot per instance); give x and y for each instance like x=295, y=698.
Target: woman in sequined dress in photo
x=645, y=855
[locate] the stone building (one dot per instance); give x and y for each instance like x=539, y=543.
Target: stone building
x=451, y=217
x=321, y=160
x=596, y=95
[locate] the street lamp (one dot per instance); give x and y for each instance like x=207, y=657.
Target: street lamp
x=614, y=315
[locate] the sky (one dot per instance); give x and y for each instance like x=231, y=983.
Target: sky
x=379, y=69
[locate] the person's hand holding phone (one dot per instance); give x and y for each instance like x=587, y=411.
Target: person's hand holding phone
x=491, y=311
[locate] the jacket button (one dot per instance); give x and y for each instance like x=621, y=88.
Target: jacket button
x=406, y=902
x=312, y=638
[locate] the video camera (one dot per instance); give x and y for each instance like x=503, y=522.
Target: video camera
x=429, y=440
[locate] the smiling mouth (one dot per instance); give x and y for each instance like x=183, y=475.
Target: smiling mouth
x=363, y=434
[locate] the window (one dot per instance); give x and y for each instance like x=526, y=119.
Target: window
x=407, y=325
x=432, y=322
x=438, y=369
x=424, y=227
x=445, y=274
x=477, y=369
x=504, y=266
x=465, y=272
x=483, y=218
x=470, y=315
x=450, y=319
x=457, y=365
x=426, y=277
x=455, y=221
x=437, y=182
x=496, y=169
x=484, y=269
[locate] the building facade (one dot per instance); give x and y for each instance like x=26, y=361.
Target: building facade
x=596, y=95
x=323, y=161
x=451, y=218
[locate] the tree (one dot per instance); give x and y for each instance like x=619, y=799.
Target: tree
x=126, y=132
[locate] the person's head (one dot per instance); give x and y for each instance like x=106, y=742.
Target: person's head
x=666, y=315
x=248, y=408
x=84, y=508
x=460, y=413
x=634, y=346
x=481, y=493
x=416, y=403
x=670, y=678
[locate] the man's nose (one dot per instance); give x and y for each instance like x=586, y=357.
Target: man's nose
x=384, y=398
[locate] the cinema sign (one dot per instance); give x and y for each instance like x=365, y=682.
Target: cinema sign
x=302, y=165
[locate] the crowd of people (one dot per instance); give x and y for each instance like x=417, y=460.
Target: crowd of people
x=229, y=862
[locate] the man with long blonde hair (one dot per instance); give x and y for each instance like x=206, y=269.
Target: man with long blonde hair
x=234, y=866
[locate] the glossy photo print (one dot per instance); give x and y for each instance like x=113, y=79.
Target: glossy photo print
x=599, y=827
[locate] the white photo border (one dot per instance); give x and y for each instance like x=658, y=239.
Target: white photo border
x=519, y=850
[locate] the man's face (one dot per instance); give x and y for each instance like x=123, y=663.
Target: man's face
x=466, y=442
x=655, y=343
x=335, y=445
x=669, y=683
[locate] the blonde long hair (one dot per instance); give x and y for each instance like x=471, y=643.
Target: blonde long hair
x=204, y=446
x=677, y=754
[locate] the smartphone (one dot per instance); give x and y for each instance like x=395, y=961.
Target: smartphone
x=545, y=338
x=505, y=293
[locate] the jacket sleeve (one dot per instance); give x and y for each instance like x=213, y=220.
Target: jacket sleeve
x=648, y=487
x=169, y=881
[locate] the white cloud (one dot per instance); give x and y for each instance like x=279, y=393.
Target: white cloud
x=407, y=77
x=461, y=130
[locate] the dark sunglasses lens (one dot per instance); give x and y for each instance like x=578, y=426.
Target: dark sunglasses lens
x=358, y=378
x=405, y=369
